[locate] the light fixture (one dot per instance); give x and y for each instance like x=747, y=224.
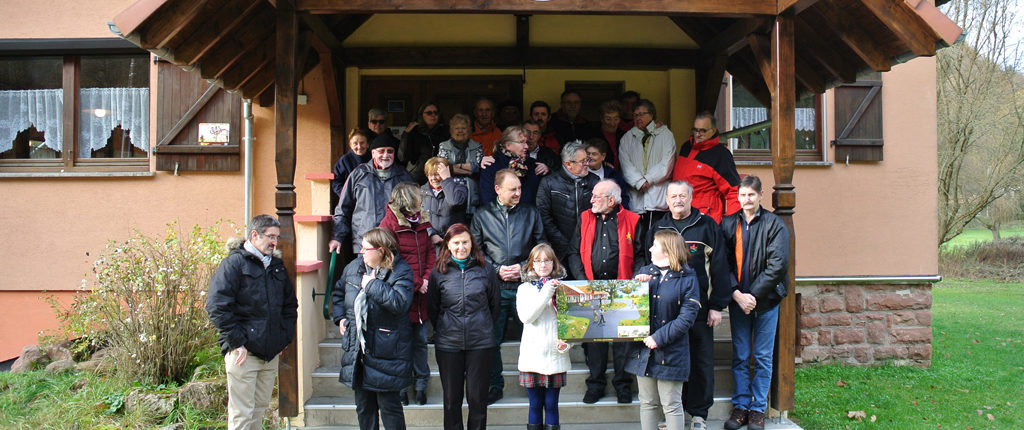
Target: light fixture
x=100, y=113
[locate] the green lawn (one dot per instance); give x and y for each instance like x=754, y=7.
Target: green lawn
x=970, y=236
x=976, y=379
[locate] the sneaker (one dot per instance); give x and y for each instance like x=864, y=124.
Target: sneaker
x=698, y=424
x=755, y=421
x=592, y=397
x=494, y=394
x=737, y=419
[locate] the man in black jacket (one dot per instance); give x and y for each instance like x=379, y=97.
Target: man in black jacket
x=758, y=246
x=563, y=196
x=252, y=303
x=506, y=232
x=708, y=258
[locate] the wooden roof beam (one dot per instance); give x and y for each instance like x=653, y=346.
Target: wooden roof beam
x=589, y=7
x=831, y=18
x=237, y=75
x=507, y=57
x=166, y=22
x=906, y=24
x=202, y=42
x=322, y=32
x=734, y=37
x=761, y=47
x=831, y=58
x=809, y=77
x=794, y=6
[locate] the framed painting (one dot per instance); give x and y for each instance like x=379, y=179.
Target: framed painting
x=603, y=311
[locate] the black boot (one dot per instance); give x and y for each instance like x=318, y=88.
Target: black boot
x=535, y=427
x=551, y=427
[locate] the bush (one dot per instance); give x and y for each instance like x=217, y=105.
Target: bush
x=147, y=301
x=1001, y=260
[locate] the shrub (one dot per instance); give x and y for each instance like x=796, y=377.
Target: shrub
x=998, y=260
x=147, y=301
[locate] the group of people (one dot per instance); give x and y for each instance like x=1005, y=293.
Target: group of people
x=468, y=230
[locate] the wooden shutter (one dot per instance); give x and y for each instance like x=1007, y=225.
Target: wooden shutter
x=184, y=101
x=858, y=120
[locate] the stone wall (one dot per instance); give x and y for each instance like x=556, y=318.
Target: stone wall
x=865, y=324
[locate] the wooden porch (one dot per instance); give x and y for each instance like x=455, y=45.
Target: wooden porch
x=778, y=50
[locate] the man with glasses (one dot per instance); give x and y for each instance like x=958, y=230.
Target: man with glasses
x=362, y=203
x=376, y=123
x=564, y=195
x=252, y=304
x=708, y=166
x=607, y=245
x=547, y=159
x=646, y=155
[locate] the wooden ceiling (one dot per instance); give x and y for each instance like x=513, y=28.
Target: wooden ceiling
x=231, y=42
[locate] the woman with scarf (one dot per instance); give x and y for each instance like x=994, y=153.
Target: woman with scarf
x=443, y=198
x=465, y=155
x=511, y=153
x=662, y=362
x=370, y=306
x=422, y=139
x=462, y=300
x=543, y=361
x=410, y=225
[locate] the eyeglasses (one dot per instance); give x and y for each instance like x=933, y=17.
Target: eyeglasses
x=377, y=121
x=365, y=250
x=641, y=113
x=699, y=130
x=583, y=161
x=543, y=261
x=272, y=237
x=430, y=112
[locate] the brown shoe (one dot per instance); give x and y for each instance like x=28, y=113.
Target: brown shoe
x=755, y=420
x=737, y=419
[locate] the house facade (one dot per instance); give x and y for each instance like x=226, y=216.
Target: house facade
x=863, y=164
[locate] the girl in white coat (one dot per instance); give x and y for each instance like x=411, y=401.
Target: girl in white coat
x=544, y=359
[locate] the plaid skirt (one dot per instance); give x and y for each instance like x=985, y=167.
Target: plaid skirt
x=535, y=380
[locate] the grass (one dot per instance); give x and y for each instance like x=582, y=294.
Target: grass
x=976, y=379
x=39, y=400
x=973, y=235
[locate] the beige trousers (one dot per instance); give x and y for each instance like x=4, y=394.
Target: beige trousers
x=657, y=397
x=249, y=388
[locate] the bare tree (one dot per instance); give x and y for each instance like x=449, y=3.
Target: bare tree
x=1007, y=208
x=980, y=112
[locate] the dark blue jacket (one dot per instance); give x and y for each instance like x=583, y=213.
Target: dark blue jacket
x=674, y=305
x=386, y=364
x=530, y=181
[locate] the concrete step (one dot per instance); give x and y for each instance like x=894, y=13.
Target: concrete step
x=325, y=383
x=330, y=352
x=510, y=411
x=780, y=424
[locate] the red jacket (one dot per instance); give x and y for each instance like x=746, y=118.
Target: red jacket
x=626, y=228
x=710, y=169
x=417, y=250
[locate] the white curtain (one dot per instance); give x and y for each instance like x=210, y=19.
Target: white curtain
x=743, y=116
x=20, y=109
x=127, y=107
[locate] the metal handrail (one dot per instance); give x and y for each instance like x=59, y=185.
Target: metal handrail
x=747, y=129
x=329, y=288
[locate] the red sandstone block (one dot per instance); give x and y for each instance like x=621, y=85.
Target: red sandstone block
x=862, y=354
x=824, y=337
x=828, y=289
x=815, y=353
x=898, y=302
x=809, y=321
x=831, y=303
x=904, y=317
x=911, y=335
x=844, y=336
x=806, y=338
x=921, y=352
x=924, y=318
x=891, y=352
x=854, y=298
x=843, y=351
x=842, y=320
x=877, y=332
x=808, y=305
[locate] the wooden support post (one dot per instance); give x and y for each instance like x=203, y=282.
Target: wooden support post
x=333, y=73
x=284, y=199
x=783, y=143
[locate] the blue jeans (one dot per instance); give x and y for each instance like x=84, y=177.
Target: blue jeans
x=752, y=334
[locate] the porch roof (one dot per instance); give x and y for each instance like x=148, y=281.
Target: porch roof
x=231, y=42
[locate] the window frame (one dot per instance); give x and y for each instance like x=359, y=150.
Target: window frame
x=758, y=156
x=71, y=52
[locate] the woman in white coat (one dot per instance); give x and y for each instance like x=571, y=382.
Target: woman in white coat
x=544, y=360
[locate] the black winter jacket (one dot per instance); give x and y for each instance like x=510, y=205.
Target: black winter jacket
x=446, y=208
x=463, y=305
x=766, y=249
x=506, y=237
x=708, y=256
x=674, y=307
x=418, y=146
x=252, y=306
x=560, y=200
x=362, y=202
x=386, y=364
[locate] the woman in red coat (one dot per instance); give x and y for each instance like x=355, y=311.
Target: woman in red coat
x=404, y=218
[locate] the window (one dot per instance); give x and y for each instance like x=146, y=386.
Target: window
x=74, y=112
x=745, y=110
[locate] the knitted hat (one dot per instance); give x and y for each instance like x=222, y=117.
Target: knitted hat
x=384, y=140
